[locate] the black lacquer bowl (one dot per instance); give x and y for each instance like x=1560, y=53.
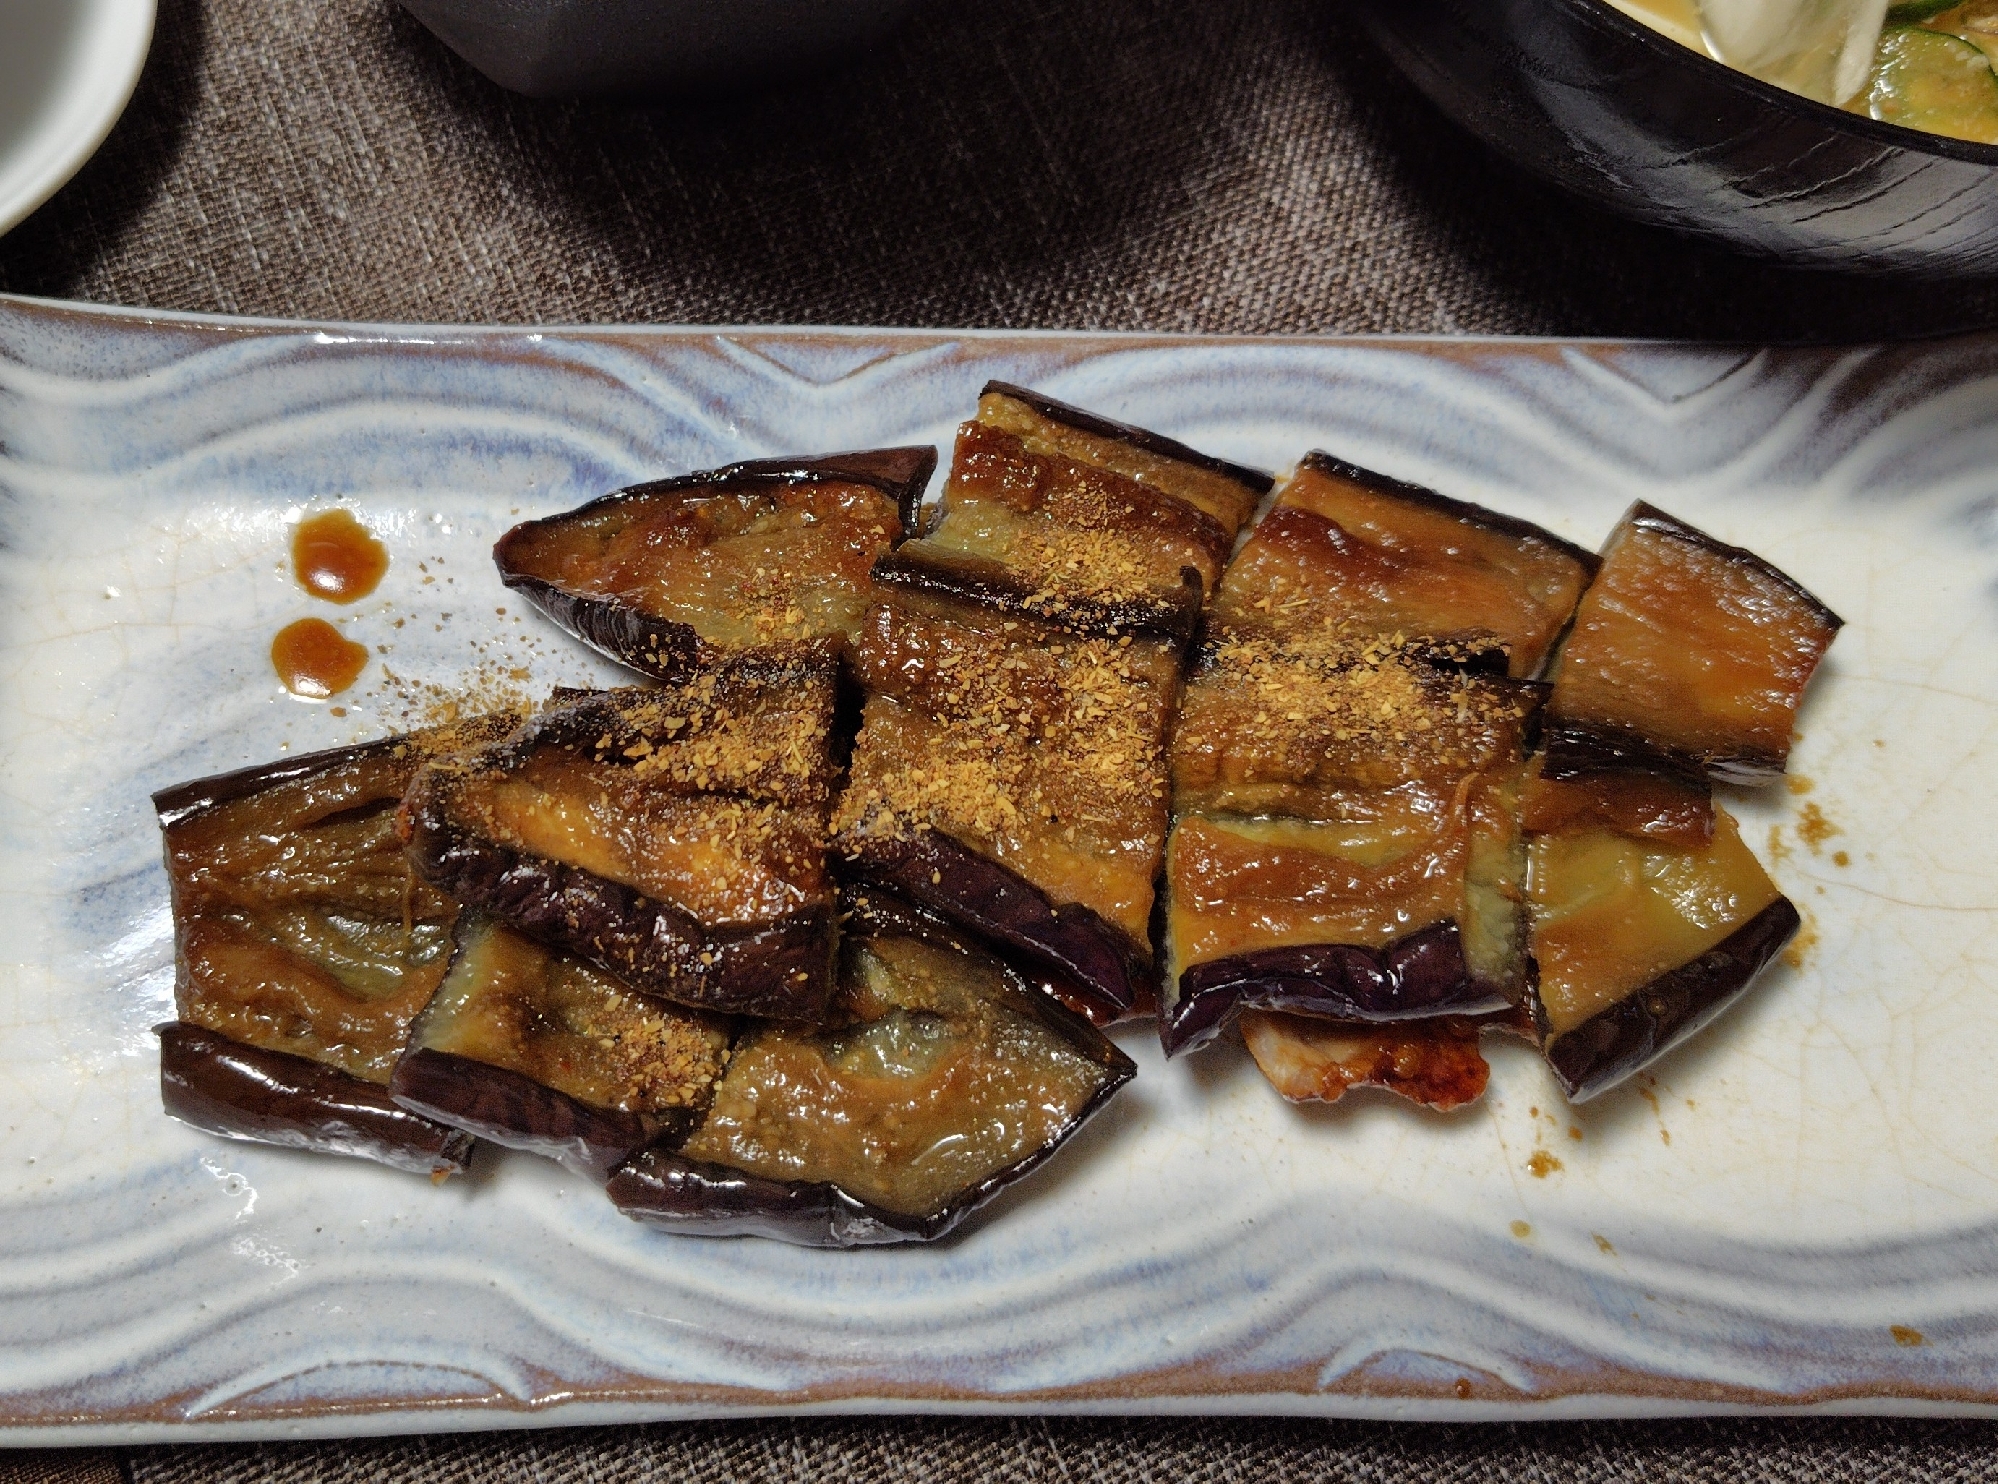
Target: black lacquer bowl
x=1583, y=95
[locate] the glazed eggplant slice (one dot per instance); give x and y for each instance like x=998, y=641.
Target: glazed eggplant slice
x=537, y=1050
x=304, y=946
x=1639, y=944
x=1436, y=1063
x=1687, y=656
x=674, y=837
x=1377, y=556
x=1052, y=512
x=945, y=1077
x=1267, y=722
x=1011, y=776
x=669, y=575
x=1400, y=905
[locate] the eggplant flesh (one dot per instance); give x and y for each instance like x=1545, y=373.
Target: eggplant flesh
x=1063, y=540
x=945, y=1078
x=672, y=574
x=1434, y=1063
x=1377, y=556
x=238, y=1091
x=1688, y=657
x=536, y=1050
x=1012, y=775
x=1638, y=944
x=1403, y=910
x=1269, y=723
x=674, y=837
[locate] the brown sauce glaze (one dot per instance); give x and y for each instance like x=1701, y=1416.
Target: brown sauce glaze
x=336, y=558
x=314, y=660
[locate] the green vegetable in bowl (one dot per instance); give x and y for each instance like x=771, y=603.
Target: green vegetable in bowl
x=1931, y=80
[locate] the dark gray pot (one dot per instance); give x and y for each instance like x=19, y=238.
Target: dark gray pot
x=1577, y=92
x=561, y=48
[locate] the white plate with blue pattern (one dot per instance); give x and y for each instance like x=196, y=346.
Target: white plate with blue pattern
x=1799, y=1210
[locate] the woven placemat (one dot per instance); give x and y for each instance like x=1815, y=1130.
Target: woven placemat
x=1129, y=164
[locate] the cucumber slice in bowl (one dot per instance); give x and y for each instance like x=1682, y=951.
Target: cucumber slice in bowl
x=1935, y=82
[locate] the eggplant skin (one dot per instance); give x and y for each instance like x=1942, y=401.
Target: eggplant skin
x=1419, y=977
x=244, y=1092
x=1576, y=751
x=1605, y=1049
x=662, y=647
x=185, y=800
x=988, y=584
x=1462, y=510
x=939, y=875
x=517, y=1112
x=780, y=971
x=1255, y=480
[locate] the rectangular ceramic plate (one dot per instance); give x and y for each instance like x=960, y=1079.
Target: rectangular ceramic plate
x=1800, y=1209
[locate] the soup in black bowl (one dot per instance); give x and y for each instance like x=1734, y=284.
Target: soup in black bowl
x=1581, y=93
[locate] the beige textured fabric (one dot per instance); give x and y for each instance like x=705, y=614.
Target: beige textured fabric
x=52, y=1466
x=1132, y=164
x=1244, y=165
x=971, y=1451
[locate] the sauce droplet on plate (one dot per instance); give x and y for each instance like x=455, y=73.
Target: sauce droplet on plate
x=336, y=558
x=314, y=661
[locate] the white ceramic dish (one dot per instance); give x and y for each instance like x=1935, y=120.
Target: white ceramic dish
x=67, y=70
x=1799, y=1210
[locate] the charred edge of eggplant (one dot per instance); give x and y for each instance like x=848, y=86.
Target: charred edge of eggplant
x=988, y=584
x=185, y=800
x=938, y=874
x=782, y=971
x=223, y=1086
x=1576, y=750
x=1091, y=422
x=1648, y=517
x=1643, y=1026
x=1422, y=976
x=658, y=647
x=1420, y=494
x=502, y=1105
x=903, y=474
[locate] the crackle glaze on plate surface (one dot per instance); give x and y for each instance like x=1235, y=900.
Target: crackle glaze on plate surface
x=1800, y=1209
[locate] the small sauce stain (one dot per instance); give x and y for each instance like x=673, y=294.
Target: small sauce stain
x=1665, y=1135
x=1463, y=1389
x=1779, y=848
x=1575, y=1132
x=1540, y=1164
x=1522, y=1230
x=336, y=558
x=1840, y=858
x=1798, y=784
x=1603, y=1244
x=1801, y=945
x=314, y=661
x=1814, y=829
x=1905, y=1336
